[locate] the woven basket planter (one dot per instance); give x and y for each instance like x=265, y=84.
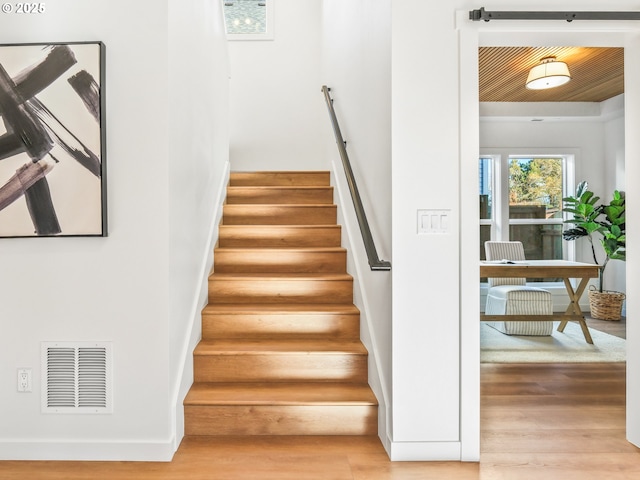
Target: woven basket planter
x=606, y=305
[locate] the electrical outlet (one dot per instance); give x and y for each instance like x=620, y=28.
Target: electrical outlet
x=24, y=380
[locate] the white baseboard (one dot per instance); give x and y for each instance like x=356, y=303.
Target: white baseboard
x=88, y=451
x=425, y=451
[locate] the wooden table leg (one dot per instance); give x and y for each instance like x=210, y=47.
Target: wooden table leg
x=574, y=307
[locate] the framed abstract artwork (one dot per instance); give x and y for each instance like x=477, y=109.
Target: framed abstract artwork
x=52, y=140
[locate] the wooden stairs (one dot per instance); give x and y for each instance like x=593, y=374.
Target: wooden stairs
x=280, y=351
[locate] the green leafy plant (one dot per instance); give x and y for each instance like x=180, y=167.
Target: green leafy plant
x=590, y=217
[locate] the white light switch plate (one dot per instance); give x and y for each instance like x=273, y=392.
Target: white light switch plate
x=434, y=222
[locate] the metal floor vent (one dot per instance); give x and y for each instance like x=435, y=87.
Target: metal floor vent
x=76, y=377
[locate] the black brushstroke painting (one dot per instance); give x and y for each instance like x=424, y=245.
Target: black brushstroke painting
x=36, y=78
x=40, y=207
x=88, y=90
x=51, y=114
x=20, y=119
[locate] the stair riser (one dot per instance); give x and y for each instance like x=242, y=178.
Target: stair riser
x=281, y=420
x=281, y=367
x=279, y=178
x=264, y=261
x=276, y=195
x=280, y=291
x=279, y=215
x=243, y=326
x=278, y=236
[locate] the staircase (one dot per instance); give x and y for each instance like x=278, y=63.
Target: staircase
x=280, y=351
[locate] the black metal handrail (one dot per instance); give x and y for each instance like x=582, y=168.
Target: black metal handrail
x=374, y=262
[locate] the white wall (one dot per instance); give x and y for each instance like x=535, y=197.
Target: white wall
x=588, y=137
x=425, y=175
x=356, y=53
x=113, y=289
x=198, y=165
x=276, y=104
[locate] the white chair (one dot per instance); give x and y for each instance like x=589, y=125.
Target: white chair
x=512, y=296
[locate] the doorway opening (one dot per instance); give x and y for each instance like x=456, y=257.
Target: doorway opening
x=548, y=34
x=533, y=153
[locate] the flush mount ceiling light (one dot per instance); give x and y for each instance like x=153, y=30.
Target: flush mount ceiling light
x=548, y=74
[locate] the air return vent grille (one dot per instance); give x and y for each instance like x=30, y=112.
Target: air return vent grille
x=76, y=377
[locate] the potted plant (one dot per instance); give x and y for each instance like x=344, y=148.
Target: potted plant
x=608, y=220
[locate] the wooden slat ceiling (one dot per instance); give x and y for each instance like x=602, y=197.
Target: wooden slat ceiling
x=596, y=74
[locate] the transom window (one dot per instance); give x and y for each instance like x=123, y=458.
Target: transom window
x=521, y=199
x=248, y=19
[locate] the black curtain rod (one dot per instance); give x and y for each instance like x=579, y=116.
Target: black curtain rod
x=482, y=14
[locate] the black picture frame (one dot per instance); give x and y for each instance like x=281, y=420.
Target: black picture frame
x=52, y=140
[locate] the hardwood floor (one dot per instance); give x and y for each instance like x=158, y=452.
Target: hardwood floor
x=538, y=421
x=616, y=328
x=555, y=421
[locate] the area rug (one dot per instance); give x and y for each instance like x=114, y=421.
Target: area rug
x=567, y=347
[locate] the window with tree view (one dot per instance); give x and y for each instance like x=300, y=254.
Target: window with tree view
x=521, y=199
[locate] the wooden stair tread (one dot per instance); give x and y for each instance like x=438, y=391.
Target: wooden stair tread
x=294, y=227
x=282, y=249
x=301, y=206
x=288, y=194
x=281, y=194
x=284, y=320
x=284, y=177
x=307, y=309
x=280, y=260
x=279, y=347
x=281, y=276
x=289, y=287
x=279, y=214
x=276, y=393
x=280, y=235
x=234, y=188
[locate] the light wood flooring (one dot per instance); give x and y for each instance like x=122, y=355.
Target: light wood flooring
x=538, y=421
x=615, y=328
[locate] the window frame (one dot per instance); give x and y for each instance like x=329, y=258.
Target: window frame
x=494, y=224
x=500, y=221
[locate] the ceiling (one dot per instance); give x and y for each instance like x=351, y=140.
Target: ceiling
x=597, y=74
